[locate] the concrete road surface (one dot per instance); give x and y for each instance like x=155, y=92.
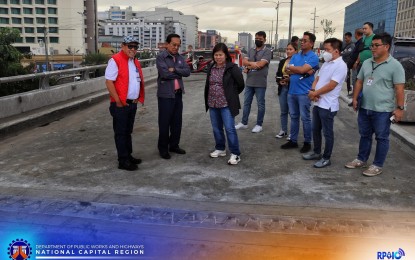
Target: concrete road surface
x=62, y=179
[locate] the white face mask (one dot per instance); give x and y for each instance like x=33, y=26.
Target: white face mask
x=327, y=56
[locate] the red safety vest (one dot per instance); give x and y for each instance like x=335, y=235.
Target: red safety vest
x=121, y=83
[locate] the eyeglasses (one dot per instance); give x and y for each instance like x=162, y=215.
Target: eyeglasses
x=132, y=46
x=373, y=46
x=175, y=45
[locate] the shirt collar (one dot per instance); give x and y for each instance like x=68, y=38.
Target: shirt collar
x=386, y=61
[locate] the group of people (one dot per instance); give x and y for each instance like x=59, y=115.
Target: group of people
x=300, y=80
x=378, y=94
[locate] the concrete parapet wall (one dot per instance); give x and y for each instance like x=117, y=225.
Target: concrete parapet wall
x=25, y=102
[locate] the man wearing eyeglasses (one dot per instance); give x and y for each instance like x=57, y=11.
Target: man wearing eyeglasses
x=171, y=68
x=381, y=81
x=125, y=84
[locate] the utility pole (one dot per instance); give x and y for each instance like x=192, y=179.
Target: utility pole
x=45, y=35
x=314, y=26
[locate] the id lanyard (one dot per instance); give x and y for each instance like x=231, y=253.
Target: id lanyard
x=370, y=79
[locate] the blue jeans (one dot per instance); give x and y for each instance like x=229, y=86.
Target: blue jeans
x=284, y=108
x=260, y=99
x=323, y=119
x=299, y=105
x=378, y=123
x=222, y=117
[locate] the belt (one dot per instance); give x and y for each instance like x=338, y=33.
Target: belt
x=176, y=91
x=131, y=101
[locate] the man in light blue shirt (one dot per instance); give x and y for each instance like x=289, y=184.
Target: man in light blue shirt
x=300, y=84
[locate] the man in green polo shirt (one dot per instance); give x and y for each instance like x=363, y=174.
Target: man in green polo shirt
x=365, y=53
x=381, y=81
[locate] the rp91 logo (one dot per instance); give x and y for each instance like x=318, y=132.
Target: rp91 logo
x=391, y=255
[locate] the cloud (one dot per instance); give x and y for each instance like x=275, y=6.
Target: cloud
x=233, y=16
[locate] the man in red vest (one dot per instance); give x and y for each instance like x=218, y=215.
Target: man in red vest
x=125, y=84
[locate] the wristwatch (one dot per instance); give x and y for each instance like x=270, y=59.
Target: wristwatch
x=401, y=107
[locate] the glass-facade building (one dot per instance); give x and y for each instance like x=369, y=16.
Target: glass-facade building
x=382, y=13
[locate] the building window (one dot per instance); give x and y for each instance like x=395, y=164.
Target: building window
x=19, y=40
x=40, y=10
x=54, y=39
x=4, y=10
x=40, y=20
x=29, y=30
x=15, y=2
x=53, y=20
x=27, y=2
x=15, y=10
x=52, y=2
x=53, y=29
x=30, y=39
x=27, y=10
x=40, y=29
x=40, y=2
x=16, y=20
x=3, y=2
x=28, y=20
x=52, y=10
x=19, y=29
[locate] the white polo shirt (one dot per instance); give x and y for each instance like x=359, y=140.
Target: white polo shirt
x=335, y=70
x=111, y=73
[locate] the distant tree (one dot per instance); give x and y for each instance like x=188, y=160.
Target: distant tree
x=327, y=28
x=95, y=59
x=9, y=56
x=10, y=64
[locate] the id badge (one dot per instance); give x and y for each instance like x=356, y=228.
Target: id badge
x=369, y=81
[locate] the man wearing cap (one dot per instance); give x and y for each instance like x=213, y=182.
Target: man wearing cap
x=125, y=84
x=171, y=68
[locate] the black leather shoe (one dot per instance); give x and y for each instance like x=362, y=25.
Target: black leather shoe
x=289, y=145
x=135, y=160
x=306, y=148
x=177, y=150
x=165, y=155
x=127, y=165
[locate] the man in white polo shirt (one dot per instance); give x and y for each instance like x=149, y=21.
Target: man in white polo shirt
x=325, y=93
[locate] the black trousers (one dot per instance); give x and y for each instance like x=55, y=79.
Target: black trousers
x=170, y=122
x=348, y=80
x=123, y=124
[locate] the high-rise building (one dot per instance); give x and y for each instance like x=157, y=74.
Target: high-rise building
x=405, y=19
x=245, y=40
x=61, y=24
x=151, y=33
x=190, y=22
x=208, y=39
x=382, y=13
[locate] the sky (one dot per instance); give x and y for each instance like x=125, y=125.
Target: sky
x=232, y=16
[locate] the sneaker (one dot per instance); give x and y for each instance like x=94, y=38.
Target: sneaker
x=217, y=153
x=241, y=126
x=234, y=159
x=290, y=144
x=281, y=134
x=306, y=148
x=322, y=163
x=257, y=129
x=289, y=137
x=372, y=171
x=356, y=163
x=312, y=156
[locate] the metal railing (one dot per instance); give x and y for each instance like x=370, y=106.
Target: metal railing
x=84, y=73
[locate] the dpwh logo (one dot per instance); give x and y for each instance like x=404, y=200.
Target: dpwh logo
x=391, y=255
x=19, y=250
